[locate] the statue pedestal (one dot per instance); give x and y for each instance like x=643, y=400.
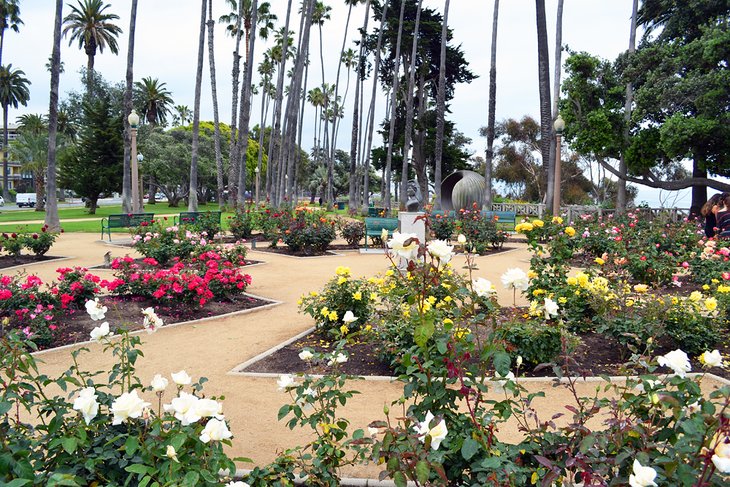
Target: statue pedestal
x=408, y=224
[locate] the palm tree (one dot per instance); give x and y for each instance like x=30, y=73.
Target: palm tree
x=30, y=148
x=543, y=61
x=214, y=94
x=355, y=138
x=556, y=78
x=32, y=123
x=441, y=106
x=622, y=167
x=9, y=18
x=393, y=101
x=182, y=116
x=128, y=89
x=93, y=29
x=154, y=99
x=193, y=192
x=54, y=225
x=13, y=92
x=492, y=111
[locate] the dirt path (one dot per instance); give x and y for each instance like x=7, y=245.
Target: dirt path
x=212, y=349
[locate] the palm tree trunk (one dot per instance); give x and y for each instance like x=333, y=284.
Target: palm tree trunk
x=492, y=112
x=193, y=193
x=214, y=94
x=6, y=172
x=245, y=116
x=39, y=190
x=232, y=157
x=545, y=106
x=355, y=135
x=262, y=129
x=126, y=178
x=441, y=107
x=556, y=77
x=621, y=195
x=52, y=221
x=393, y=102
x=303, y=101
x=409, y=111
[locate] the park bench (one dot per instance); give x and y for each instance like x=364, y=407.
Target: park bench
x=374, y=227
x=376, y=212
x=126, y=220
x=502, y=217
x=191, y=217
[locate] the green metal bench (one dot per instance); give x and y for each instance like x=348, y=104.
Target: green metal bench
x=130, y=220
x=377, y=212
x=374, y=227
x=191, y=217
x=502, y=217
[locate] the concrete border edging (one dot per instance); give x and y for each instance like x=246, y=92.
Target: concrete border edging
x=23, y=266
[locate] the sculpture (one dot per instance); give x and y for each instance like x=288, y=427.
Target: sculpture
x=414, y=197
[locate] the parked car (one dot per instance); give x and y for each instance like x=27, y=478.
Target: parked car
x=25, y=200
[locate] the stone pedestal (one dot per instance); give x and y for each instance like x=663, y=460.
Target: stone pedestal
x=408, y=224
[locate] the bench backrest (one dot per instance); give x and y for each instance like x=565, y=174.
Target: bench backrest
x=502, y=216
x=130, y=220
x=381, y=223
x=192, y=216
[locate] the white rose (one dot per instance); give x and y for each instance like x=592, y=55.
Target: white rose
x=461, y=239
x=515, y=279
x=306, y=355
x=100, y=332
x=399, y=246
x=642, y=476
x=181, y=378
x=285, y=382
x=483, y=287
x=171, y=453
x=712, y=359
x=95, y=309
x=128, y=405
x=87, y=404
x=373, y=432
x=501, y=381
x=721, y=458
x=208, y=408
x=158, y=383
x=340, y=358
x=349, y=317
x=437, y=433
x=441, y=250
x=237, y=484
x=551, y=308
x=183, y=407
x=151, y=321
x=676, y=360
x=215, y=430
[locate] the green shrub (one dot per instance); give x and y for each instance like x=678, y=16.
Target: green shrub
x=309, y=233
x=241, y=224
x=442, y=226
x=40, y=243
x=352, y=231
x=536, y=342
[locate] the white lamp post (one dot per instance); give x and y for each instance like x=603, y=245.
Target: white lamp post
x=133, y=120
x=559, y=126
x=256, y=170
x=140, y=158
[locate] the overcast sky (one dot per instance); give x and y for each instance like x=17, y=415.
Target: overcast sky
x=167, y=37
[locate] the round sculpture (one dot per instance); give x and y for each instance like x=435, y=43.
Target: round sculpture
x=462, y=189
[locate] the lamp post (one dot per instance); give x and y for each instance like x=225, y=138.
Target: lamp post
x=559, y=126
x=140, y=158
x=133, y=120
x=256, y=170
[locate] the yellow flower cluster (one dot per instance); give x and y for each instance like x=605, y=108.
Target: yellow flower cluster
x=570, y=231
x=342, y=271
x=524, y=227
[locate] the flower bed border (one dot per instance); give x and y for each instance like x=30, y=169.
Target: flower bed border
x=271, y=304
x=329, y=254
x=47, y=261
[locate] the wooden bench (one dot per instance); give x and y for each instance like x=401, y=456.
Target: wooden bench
x=123, y=221
x=374, y=227
x=506, y=217
x=191, y=217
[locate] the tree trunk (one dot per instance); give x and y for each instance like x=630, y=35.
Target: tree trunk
x=545, y=106
x=621, y=195
x=6, y=171
x=441, y=107
x=408, y=135
x=93, y=205
x=245, y=116
x=52, y=220
x=90, y=53
x=419, y=139
x=492, y=110
x=216, y=122
x=556, y=80
x=699, y=193
x=233, y=142
x=393, y=102
x=126, y=178
x=355, y=134
x=262, y=129
x=193, y=192
x=39, y=191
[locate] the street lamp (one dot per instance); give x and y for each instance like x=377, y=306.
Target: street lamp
x=133, y=120
x=559, y=126
x=140, y=159
x=257, y=171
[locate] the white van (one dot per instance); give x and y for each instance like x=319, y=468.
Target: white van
x=25, y=199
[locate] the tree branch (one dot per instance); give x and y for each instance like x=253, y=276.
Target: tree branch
x=651, y=180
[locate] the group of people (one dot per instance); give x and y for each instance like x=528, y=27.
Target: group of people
x=717, y=215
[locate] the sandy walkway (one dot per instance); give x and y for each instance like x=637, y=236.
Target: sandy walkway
x=212, y=349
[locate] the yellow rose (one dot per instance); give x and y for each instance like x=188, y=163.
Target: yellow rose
x=324, y=311
x=538, y=223
x=629, y=302
x=357, y=296
x=558, y=220
x=572, y=281
x=695, y=296
x=342, y=271
x=344, y=330
x=711, y=304
x=641, y=288
x=562, y=300
x=373, y=296
x=706, y=287
x=723, y=289
x=333, y=316
x=570, y=231
x=313, y=293
x=341, y=280
x=599, y=261
x=531, y=274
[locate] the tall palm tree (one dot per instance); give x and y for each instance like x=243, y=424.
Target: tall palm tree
x=128, y=105
x=155, y=100
x=32, y=123
x=409, y=110
x=182, y=116
x=393, y=101
x=13, y=92
x=30, y=148
x=492, y=110
x=556, y=77
x=216, y=121
x=543, y=61
x=9, y=18
x=355, y=137
x=621, y=195
x=52, y=220
x=441, y=106
x=371, y=112
x=193, y=192
x=92, y=29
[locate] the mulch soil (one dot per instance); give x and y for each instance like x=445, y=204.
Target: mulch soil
x=596, y=355
x=142, y=264
x=76, y=325
x=12, y=260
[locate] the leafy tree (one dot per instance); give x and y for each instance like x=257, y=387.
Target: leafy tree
x=31, y=150
x=93, y=167
x=13, y=92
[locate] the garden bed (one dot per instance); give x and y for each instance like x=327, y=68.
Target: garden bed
x=18, y=260
x=75, y=326
x=144, y=265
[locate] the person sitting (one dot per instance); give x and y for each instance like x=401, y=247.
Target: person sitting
x=723, y=217
x=709, y=211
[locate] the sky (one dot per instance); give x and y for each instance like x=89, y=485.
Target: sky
x=167, y=38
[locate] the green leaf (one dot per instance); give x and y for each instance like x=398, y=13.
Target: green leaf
x=422, y=471
x=18, y=483
x=5, y=407
x=423, y=333
x=469, y=448
x=283, y=411
x=502, y=363
x=191, y=479
x=140, y=469
x=69, y=444
x=131, y=445
x=400, y=479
